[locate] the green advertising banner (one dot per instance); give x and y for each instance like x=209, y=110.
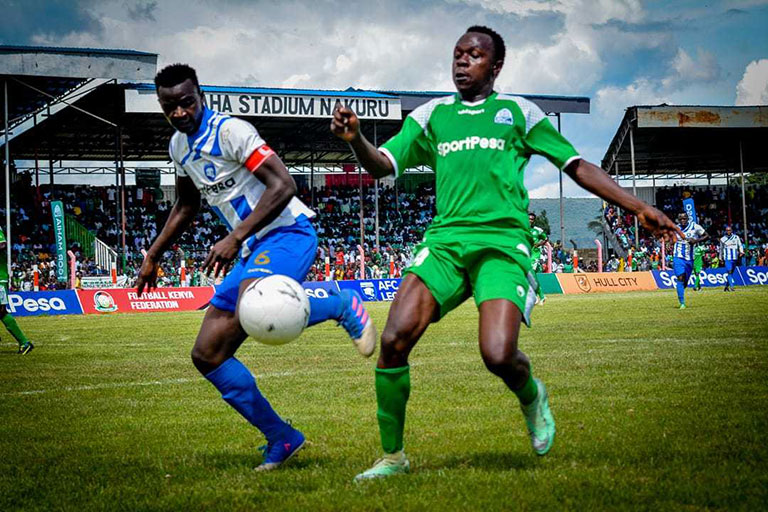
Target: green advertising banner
x=549, y=283
x=57, y=208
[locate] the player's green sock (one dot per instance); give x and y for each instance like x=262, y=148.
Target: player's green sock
x=393, y=385
x=14, y=329
x=527, y=394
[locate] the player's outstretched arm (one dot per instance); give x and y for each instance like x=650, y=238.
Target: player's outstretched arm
x=597, y=181
x=346, y=126
x=183, y=212
x=280, y=188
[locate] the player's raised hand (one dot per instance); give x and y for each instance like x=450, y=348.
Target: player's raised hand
x=147, y=275
x=221, y=255
x=345, y=123
x=659, y=224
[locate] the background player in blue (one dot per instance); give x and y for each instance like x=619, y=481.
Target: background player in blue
x=731, y=249
x=247, y=185
x=683, y=260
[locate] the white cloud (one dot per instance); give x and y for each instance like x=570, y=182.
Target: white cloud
x=611, y=101
x=753, y=87
x=685, y=69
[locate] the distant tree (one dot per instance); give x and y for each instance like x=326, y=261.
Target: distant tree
x=542, y=221
x=596, y=225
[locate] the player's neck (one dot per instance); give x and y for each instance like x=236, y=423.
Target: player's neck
x=477, y=96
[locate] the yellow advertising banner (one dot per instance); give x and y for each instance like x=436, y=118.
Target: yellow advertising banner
x=599, y=282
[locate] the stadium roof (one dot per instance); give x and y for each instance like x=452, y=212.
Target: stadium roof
x=689, y=141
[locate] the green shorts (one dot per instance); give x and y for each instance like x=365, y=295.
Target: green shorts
x=458, y=269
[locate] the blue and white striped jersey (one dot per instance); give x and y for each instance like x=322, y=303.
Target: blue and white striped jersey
x=221, y=158
x=731, y=247
x=684, y=249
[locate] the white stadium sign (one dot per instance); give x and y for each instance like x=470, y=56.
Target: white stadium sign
x=275, y=105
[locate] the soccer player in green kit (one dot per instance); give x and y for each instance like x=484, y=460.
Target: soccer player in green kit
x=478, y=143
x=539, y=238
x=698, y=263
x=25, y=346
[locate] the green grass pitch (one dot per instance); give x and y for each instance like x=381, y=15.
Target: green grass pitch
x=656, y=409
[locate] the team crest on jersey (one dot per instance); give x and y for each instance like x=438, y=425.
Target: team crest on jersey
x=504, y=116
x=210, y=171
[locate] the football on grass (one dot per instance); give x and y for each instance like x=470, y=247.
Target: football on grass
x=274, y=310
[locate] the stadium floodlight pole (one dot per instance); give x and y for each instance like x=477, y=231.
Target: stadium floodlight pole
x=562, y=212
x=634, y=183
x=743, y=197
x=376, y=189
x=7, y=183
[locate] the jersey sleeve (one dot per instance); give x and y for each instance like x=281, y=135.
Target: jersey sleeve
x=241, y=143
x=411, y=147
x=176, y=165
x=2, y=236
x=542, y=139
x=699, y=231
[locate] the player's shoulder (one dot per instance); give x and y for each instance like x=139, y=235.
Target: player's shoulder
x=531, y=112
x=423, y=113
x=177, y=142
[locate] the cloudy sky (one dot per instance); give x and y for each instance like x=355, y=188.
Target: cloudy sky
x=617, y=52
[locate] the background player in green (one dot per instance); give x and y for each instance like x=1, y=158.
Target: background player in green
x=698, y=263
x=25, y=346
x=539, y=237
x=478, y=143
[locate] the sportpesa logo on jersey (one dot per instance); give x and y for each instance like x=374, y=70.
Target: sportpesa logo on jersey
x=470, y=143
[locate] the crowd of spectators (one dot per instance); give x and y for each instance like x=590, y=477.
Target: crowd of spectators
x=403, y=217
x=716, y=207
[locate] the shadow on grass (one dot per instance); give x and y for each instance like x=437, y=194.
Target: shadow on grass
x=490, y=461
x=228, y=460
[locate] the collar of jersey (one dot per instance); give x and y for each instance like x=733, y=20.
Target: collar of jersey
x=207, y=115
x=476, y=103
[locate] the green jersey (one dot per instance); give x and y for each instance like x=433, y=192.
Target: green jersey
x=3, y=261
x=478, y=152
x=538, y=235
x=698, y=254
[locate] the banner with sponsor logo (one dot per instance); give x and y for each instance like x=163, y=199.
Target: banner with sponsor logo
x=373, y=289
x=126, y=300
x=320, y=289
x=715, y=277
x=93, y=282
x=61, y=302
x=57, y=209
x=549, y=283
x=597, y=282
x=690, y=209
x=301, y=104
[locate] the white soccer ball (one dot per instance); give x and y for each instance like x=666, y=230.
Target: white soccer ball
x=274, y=310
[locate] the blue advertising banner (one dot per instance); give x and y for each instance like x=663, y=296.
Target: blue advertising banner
x=715, y=277
x=319, y=289
x=373, y=289
x=690, y=209
x=61, y=302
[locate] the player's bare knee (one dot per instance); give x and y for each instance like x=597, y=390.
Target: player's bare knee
x=205, y=359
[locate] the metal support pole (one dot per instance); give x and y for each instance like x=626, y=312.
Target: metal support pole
x=562, y=210
x=7, y=185
x=743, y=198
x=312, y=178
x=117, y=185
x=122, y=196
x=362, y=215
x=376, y=189
x=654, y=190
x=634, y=183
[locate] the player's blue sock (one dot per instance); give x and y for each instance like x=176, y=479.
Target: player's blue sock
x=238, y=388
x=321, y=310
x=680, y=292
x=731, y=282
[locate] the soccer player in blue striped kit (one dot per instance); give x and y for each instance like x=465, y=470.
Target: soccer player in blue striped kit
x=246, y=184
x=731, y=250
x=683, y=253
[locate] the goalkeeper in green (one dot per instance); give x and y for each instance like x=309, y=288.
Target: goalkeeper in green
x=478, y=143
x=25, y=346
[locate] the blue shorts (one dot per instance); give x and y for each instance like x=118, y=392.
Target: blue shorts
x=287, y=250
x=683, y=268
x=730, y=266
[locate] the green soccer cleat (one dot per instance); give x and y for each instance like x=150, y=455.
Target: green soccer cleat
x=540, y=422
x=26, y=348
x=390, y=464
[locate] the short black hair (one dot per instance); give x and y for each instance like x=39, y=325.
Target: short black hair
x=499, y=50
x=174, y=74
x=531, y=214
